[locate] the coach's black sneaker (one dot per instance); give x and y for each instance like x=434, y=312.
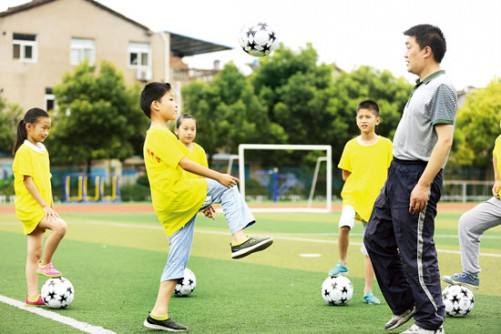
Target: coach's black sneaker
x=168, y=325
x=250, y=246
x=398, y=320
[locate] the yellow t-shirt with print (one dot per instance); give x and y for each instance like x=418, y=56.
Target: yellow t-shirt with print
x=31, y=160
x=198, y=155
x=368, y=165
x=497, y=154
x=175, y=196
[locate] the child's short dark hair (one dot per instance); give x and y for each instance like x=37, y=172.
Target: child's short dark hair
x=153, y=92
x=182, y=117
x=369, y=104
x=428, y=35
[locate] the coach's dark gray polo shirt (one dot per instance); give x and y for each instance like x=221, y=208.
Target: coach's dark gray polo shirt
x=433, y=101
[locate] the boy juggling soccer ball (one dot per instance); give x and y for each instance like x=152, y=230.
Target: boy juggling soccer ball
x=177, y=197
x=364, y=162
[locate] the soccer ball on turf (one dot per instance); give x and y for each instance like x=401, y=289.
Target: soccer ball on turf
x=258, y=39
x=337, y=290
x=187, y=284
x=458, y=300
x=58, y=292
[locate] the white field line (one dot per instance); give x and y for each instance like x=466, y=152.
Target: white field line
x=276, y=236
x=82, y=326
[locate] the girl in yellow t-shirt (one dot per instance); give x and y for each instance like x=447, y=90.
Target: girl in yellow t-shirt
x=186, y=131
x=34, y=204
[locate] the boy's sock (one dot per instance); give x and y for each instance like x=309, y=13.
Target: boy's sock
x=159, y=317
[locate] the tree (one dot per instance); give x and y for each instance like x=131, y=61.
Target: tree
x=98, y=117
x=350, y=88
x=10, y=115
x=315, y=105
x=228, y=112
x=477, y=126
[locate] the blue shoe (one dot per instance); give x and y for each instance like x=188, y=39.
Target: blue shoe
x=369, y=298
x=467, y=279
x=339, y=269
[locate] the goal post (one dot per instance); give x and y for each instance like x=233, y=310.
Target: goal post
x=327, y=159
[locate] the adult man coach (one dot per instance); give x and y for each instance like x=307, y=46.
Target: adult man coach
x=399, y=236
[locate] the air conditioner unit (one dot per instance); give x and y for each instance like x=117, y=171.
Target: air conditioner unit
x=143, y=74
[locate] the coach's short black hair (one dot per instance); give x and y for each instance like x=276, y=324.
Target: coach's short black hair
x=153, y=92
x=428, y=35
x=369, y=104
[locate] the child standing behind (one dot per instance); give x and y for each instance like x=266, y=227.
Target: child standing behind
x=177, y=197
x=364, y=162
x=186, y=131
x=34, y=204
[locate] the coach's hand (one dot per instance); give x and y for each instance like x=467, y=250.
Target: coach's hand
x=419, y=198
x=227, y=180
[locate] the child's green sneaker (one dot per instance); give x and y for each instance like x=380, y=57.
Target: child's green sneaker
x=250, y=246
x=339, y=269
x=369, y=298
x=168, y=325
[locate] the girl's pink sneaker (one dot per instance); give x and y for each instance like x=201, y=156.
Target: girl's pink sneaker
x=38, y=302
x=49, y=270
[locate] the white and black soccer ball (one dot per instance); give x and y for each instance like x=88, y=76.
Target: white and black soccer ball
x=337, y=290
x=187, y=284
x=458, y=300
x=258, y=39
x=58, y=292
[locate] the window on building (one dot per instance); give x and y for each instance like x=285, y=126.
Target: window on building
x=81, y=50
x=24, y=47
x=139, y=55
x=50, y=99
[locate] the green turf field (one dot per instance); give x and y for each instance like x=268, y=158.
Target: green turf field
x=114, y=261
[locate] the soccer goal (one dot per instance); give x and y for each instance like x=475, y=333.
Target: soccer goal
x=286, y=178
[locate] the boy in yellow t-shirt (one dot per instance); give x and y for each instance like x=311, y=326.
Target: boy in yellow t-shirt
x=365, y=161
x=177, y=197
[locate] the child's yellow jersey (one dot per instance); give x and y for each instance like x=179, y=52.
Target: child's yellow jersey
x=31, y=160
x=497, y=154
x=175, y=196
x=368, y=166
x=197, y=154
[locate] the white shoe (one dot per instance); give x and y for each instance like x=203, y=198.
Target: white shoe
x=415, y=329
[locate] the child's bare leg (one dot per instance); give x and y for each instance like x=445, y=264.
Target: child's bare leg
x=165, y=292
x=33, y=256
x=58, y=230
x=343, y=243
x=369, y=275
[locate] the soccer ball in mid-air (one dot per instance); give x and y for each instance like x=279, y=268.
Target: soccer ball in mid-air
x=337, y=290
x=258, y=39
x=58, y=292
x=187, y=284
x=458, y=300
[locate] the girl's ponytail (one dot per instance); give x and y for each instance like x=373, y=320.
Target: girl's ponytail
x=31, y=117
x=21, y=136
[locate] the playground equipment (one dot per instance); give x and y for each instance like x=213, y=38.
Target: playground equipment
x=83, y=183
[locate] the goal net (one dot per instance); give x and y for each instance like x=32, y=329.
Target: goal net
x=286, y=178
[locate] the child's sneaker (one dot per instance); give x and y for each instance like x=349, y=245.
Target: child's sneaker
x=339, y=269
x=37, y=302
x=467, y=279
x=250, y=246
x=49, y=270
x=168, y=325
x=398, y=320
x=369, y=298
